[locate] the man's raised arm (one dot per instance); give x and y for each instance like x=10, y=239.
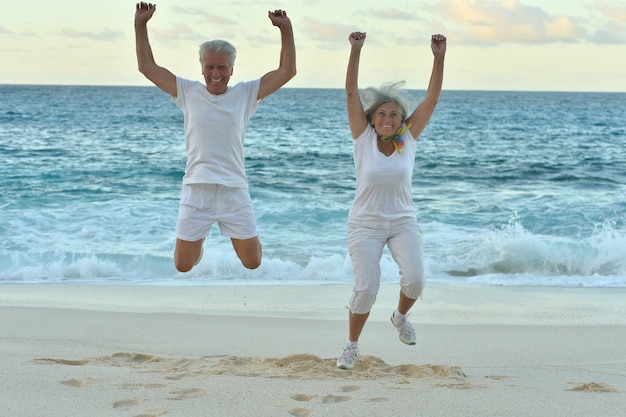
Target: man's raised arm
x=160, y=76
x=273, y=80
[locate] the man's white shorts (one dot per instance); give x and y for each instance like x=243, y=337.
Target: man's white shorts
x=201, y=205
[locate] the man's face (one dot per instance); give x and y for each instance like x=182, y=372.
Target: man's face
x=216, y=69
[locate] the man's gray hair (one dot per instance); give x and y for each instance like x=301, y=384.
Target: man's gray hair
x=219, y=45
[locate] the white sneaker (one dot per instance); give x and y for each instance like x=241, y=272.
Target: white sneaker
x=405, y=330
x=347, y=358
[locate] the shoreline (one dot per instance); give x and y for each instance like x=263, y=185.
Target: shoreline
x=440, y=303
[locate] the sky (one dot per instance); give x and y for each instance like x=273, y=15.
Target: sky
x=528, y=45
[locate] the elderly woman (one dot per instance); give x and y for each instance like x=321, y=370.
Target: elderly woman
x=383, y=213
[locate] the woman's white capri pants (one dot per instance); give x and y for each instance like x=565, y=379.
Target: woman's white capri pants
x=366, y=241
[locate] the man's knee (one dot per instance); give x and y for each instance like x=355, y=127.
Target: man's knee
x=251, y=262
x=184, y=261
x=248, y=251
x=187, y=254
x=181, y=265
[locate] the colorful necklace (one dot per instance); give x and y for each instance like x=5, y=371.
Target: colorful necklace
x=396, y=138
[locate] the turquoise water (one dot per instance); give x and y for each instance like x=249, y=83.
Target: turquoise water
x=511, y=188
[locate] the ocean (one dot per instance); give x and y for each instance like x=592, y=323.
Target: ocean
x=511, y=188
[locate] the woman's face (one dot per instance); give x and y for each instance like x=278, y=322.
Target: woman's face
x=387, y=118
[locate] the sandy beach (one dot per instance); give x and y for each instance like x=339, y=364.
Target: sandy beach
x=143, y=351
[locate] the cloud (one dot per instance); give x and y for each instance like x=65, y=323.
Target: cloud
x=179, y=32
x=613, y=10
x=391, y=14
x=105, y=35
x=13, y=35
x=507, y=21
x=324, y=31
x=330, y=35
x=211, y=18
x=611, y=33
x=613, y=22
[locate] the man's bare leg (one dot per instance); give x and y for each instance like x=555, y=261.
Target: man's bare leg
x=187, y=254
x=249, y=251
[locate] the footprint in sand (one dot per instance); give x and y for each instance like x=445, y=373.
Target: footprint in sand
x=63, y=361
x=186, y=394
x=302, y=397
x=76, y=383
x=155, y=413
x=350, y=388
x=301, y=412
x=79, y=383
x=456, y=385
x=378, y=400
x=125, y=358
x=496, y=377
x=594, y=387
x=127, y=386
x=128, y=403
x=331, y=399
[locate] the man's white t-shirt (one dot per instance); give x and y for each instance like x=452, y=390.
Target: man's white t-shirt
x=383, y=183
x=215, y=128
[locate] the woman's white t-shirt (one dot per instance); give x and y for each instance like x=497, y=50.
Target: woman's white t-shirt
x=383, y=183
